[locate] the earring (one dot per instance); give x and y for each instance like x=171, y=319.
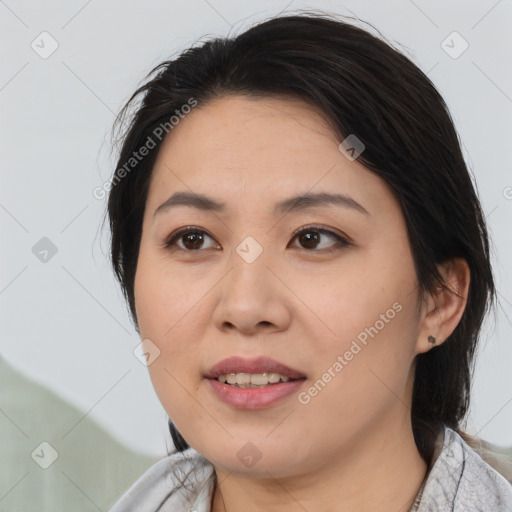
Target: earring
x=432, y=340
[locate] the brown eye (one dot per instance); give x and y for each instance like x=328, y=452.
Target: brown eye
x=192, y=239
x=310, y=238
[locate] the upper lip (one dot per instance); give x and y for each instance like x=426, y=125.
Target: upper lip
x=261, y=364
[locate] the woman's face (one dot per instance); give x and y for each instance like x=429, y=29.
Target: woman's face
x=342, y=312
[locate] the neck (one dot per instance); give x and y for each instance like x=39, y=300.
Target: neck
x=382, y=470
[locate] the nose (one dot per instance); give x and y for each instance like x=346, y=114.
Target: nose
x=253, y=298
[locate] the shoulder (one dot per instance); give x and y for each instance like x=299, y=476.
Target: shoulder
x=461, y=481
x=173, y=483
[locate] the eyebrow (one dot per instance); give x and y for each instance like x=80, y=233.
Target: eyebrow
x=293, y=204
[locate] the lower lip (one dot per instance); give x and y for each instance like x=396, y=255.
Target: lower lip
x=254, y=398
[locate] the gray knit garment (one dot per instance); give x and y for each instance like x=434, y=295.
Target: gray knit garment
x=459, y=481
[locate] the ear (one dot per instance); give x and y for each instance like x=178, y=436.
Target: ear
x=444, y=307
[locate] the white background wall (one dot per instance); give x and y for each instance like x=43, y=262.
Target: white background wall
x=64, y=322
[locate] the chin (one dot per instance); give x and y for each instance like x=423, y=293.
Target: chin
x=258, y=461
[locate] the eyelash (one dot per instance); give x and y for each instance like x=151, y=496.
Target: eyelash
x=170, y=243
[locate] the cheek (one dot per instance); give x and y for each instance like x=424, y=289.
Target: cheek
x=169, y=317
x=356, y=383
x=348, y=299
x=163, y=297
x=366, y=325
x=162, y=306
x=175, y=375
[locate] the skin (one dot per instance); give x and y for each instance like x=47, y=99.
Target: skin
x=351, y=447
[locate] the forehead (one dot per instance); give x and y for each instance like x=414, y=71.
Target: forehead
x=269, y=148
x=234, y=126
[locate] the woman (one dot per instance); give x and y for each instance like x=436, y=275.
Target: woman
x=305, y=257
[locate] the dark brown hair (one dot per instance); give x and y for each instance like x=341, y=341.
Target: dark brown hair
x=365, y=87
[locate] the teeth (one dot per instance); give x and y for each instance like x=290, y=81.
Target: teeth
x=274, y=377
x=243, y=378
x=231, y=378
x=252, y=380
x=261, y=379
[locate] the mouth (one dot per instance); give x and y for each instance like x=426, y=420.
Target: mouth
x=260, y=371
x=253, y=380
x=253, y=383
